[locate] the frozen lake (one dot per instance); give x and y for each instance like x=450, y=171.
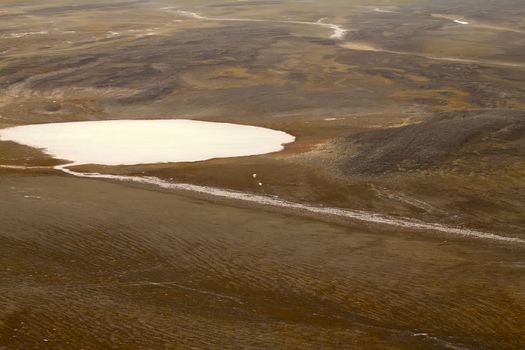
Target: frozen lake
x=127, y=142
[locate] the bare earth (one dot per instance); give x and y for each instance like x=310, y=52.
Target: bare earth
x=104, y=265
x=411, y=109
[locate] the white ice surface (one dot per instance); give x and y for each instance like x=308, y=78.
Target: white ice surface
x=126, y=142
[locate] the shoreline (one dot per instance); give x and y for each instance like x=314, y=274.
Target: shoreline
x=275, y=202
x=338, y=32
